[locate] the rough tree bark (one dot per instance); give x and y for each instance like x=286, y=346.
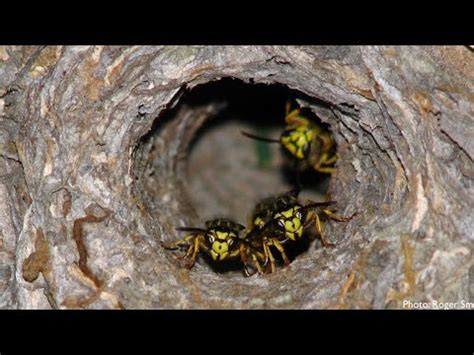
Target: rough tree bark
x=88, y=189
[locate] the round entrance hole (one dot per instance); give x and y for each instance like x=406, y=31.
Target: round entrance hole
x=195, y=165
x=199, y=160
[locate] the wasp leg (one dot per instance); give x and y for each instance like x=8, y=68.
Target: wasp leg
x=323, y=169
x=294, y=112
x=188, y=253
x=257, y=264
x=265, y=252
x=197, y=244
x=235, y=253
x=269, y=256
x=247, y=272
x=337, y=217
x=183, y=242
x=313, y=217
x=173, y=246
x=328, y=161
x=309, y=219
x=280, y=248
x=325, y=159
x=260, y=255
x=319, y=228
x=294, y=120
x=177, y=244
x=327, y=141
x=244, y=259
x=255, y=256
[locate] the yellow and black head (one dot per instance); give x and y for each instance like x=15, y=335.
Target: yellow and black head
x=289, y=215
x=311, y=145
x=298, y=135
x=263, y=212
x=297, y=141
x=290, y=221
x=222, y=235
x=279, y=216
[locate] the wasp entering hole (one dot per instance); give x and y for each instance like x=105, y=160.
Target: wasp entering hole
x=257, y=141
x=228, y=172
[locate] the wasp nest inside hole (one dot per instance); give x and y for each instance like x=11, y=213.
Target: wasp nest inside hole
x=196, y=161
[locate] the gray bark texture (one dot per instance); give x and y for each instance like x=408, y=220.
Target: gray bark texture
x=93, y=175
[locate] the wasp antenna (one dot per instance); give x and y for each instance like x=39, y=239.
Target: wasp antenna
x=263, y=139
x=190, y=229
x=319, y=204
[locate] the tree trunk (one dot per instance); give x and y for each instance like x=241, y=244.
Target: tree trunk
x=94, y=175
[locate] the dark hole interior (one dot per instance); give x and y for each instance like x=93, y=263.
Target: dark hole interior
x=224, y=173
x=228, y=173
